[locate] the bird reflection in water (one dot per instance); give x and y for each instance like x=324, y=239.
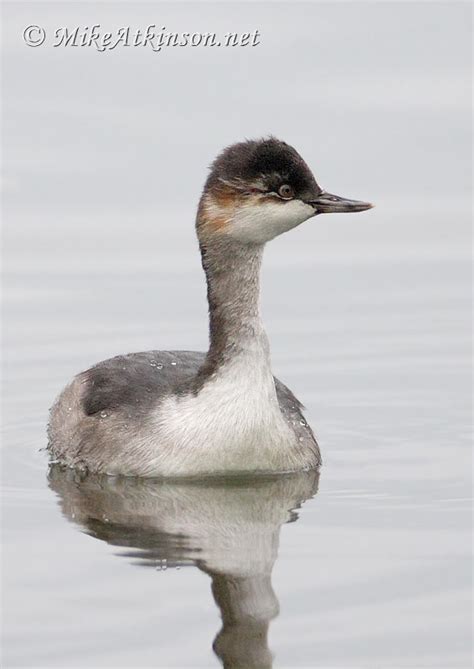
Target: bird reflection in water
x=227, y=528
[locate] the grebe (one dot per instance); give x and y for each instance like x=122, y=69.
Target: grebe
x=187, y=413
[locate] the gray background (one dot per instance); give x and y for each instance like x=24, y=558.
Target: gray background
x=104, y=158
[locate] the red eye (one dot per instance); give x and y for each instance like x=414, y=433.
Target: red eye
x=286, y=192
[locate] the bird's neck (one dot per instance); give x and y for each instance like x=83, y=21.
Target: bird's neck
x=233, y=290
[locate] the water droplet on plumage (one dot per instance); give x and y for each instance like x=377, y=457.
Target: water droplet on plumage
x=174, y=363
x=103, y=414
x=153, y=363
x=159, y=366
x=303, y=422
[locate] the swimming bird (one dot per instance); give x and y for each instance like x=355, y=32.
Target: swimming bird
x=188, y=413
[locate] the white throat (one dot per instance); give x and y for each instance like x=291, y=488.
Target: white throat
x=257, y=224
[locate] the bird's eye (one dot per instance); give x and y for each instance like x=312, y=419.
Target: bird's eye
x=286, y=192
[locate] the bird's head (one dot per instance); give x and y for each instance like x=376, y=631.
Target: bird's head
x=260, y=188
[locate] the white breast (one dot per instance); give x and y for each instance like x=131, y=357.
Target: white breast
x=233, y=424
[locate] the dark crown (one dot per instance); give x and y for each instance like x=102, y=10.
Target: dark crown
x=273, y=161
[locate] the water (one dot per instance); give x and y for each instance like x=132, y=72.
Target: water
x=376, y=569
x=368, y=318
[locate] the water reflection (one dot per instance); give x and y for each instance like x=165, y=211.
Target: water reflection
x=228, y=528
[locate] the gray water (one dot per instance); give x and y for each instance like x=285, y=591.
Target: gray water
x=368, y=318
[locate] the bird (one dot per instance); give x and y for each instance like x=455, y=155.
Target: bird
x=220, y=412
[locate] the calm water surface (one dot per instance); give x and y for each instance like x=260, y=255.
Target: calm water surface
x=373, y=570
x=368, y=318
